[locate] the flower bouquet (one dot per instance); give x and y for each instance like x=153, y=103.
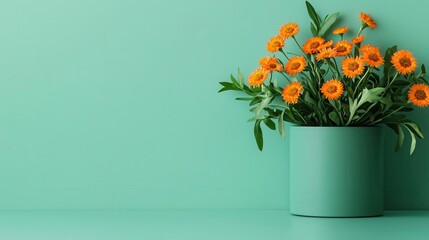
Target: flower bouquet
x=343, y=83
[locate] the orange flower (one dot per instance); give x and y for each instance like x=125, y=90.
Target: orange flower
x=327, y=44
x=295, y=65
x=372, y=55
x=358, y=39
x=291, y=92
x=289, y=30
x=404, y=61
x=312, y=45
x=257, y=77
x=270, y=64
x=352, y=67
x=332, y=89
x=365, y=48
x=419, y=95
x=343, y=48
x=341, y=30
x=326, y=53
x=275, y=43
x=368, y=20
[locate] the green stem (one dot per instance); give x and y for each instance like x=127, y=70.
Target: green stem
x=281, y=50
x=389, y=83
x=284, y=75
x=388, y=115
x=338, y=111
x=361, y=80
x=298, y=44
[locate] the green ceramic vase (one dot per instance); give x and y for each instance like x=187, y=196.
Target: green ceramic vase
x=336, y=171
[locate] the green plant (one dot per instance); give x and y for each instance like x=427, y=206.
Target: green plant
x=333, y=84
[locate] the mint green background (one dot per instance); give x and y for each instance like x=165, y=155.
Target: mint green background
x=113, y=104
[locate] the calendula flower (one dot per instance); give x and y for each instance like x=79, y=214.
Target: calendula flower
x=419, y=95
x=352, y=67
x=404, y=61
x=257, y=77
x=291, y=92
x=332, y=89
x=312, y=44
x=371, y=55
x=327, y=44
x=326, y=53
x=368, y=20
x=357, y=40
x=275, y=43
x=341, y=30
x=295, y=65
x=289, y=30
x=343, y=48
x=270, y=64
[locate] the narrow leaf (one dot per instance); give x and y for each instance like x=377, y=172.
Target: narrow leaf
x=270, y=123
x=313, y=15
x=415, y=129
x=326, y=25
x=258, y=135
x=281, y=125
x=244, y=98
x=413, y=140
x=334, y=117
x=400, y=140
x=240, y=77
x=313, y=29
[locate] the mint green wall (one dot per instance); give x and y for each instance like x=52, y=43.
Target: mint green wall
x=113, y=104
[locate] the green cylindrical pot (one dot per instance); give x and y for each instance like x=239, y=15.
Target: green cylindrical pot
x=336, y=171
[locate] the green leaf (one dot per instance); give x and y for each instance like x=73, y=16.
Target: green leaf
x=244, y=98
x=326, y=25
x=415, y=129
x=400, y=140
x=387, y=100
x=371, y=95
x=313, y=29
x=400, y=83
x=313, y=15
x=263, y=104
x=270, y=123
x=281, y=125
x=234, y=81
x=334, y=117
x=387, y=56
x=352, y=105
x=423, y=69
x=240, y=77
x=229, y=86
x=256, y=100
x=258, y=135
x=413, y=140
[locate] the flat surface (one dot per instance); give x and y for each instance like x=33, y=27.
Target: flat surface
x=206, y=225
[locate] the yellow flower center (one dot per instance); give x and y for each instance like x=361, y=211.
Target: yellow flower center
x=353, y=66
x=314, y=45
x=332, y=89
x=292, y=91
x=295, y=65
x=420, y=95
x=405, y=62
